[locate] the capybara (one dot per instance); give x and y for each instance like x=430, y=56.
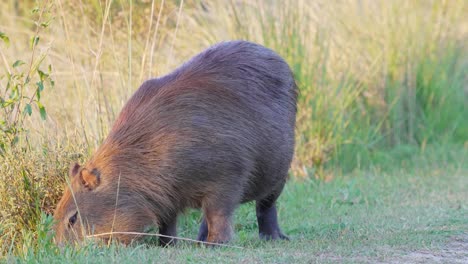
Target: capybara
x=216, y=132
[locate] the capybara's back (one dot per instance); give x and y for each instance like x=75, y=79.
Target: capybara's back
x=216, y=132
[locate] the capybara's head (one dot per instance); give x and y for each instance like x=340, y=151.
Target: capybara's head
x=92, y=208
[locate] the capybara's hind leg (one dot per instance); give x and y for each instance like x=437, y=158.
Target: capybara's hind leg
x=267, y=218
x=168, y=230
x=203, y=232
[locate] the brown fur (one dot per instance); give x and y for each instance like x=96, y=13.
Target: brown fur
x=216, y=132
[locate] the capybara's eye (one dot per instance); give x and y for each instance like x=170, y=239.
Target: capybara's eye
x=72, y=219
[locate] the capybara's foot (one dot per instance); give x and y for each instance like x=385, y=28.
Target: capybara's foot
x=268, y=222
x=169, y=232
x=273, y=236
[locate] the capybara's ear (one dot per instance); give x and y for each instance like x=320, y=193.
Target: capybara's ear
x=74, y=169
x=90, y=179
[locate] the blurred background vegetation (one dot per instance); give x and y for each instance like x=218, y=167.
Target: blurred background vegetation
x=380, y=81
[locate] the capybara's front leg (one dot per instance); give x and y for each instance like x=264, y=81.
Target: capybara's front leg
x=168, y=229
x=203, y=232
x=219, y=226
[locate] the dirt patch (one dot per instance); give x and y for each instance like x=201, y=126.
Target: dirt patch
x=456, y=251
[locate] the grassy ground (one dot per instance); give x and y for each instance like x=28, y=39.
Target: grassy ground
x=365, y=217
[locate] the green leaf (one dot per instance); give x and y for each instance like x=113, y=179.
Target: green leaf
x=18, y=63
x=40, y=86
x=5, y=38
x=14, y=95
x=28, y=109
x=38, y=94
x=42, y=111
x=45, y=24
x=34, y=41
x=42, y=74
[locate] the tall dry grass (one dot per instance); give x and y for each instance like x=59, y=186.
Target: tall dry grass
x=373, y=76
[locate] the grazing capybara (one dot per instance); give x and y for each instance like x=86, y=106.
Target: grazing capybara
x=216, y=132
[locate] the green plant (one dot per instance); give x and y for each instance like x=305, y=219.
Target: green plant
x=40, y=241
x=23, y=83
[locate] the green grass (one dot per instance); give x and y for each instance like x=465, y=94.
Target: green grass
x=366, y=216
